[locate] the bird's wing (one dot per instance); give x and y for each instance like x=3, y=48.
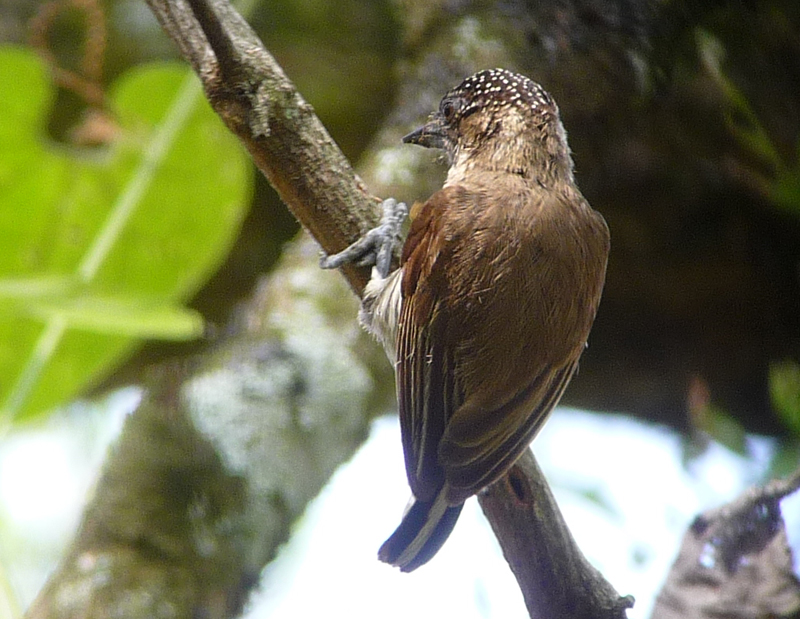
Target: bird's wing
x=470, y=405
x=482, y=442
x=426, y=389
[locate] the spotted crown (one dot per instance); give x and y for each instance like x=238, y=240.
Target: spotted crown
x=501, y=88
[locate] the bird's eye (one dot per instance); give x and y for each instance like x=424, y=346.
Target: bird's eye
x=448, y=110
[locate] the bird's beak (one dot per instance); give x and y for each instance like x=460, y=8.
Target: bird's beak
x=430, y=135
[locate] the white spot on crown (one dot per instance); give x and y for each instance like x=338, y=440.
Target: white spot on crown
x=503, y=87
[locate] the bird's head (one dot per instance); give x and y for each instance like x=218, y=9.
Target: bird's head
x=498, y=120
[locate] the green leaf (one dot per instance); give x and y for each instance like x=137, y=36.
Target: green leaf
x=740, y=118
x=102, y=246
x=724, y=429
x=26, y=288
x=130, y=317
x=784, y=390
x=783, y=182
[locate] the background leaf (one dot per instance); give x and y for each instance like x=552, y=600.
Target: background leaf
x=136, y=227
x=784, y=387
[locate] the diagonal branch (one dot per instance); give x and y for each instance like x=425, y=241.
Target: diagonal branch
x=259, y=104
x=291, y=147
x=555, y=578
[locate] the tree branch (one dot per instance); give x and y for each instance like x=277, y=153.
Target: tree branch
x=735, y=560
x=555, y=578
x=291, y=147
x=258, y=103
x=221, y=458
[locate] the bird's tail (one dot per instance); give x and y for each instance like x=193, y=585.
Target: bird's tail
x=425, y=527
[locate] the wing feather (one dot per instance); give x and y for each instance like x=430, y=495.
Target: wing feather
x=470, y=404
x=426, y=388
x=480, y=445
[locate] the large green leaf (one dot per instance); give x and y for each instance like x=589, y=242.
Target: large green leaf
x=101, y=248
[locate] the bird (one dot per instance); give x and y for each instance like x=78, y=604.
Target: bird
x=490, y=309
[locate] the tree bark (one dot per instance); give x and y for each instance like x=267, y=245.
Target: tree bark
x=221, y=458
x=735, y=561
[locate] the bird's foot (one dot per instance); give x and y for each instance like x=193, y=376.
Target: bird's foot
x=376, y=247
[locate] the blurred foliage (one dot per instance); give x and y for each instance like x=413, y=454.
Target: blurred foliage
x=712, y=423
x=781, y=183
x=784, y=387
x=709, y=420
x=340, y=55
x=103, y=244
x=724, y=429
x=786, y=188
x=784, y=460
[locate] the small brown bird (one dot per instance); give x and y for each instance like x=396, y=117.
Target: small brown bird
x=486, y=318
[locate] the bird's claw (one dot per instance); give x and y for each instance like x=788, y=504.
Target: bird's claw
x=376, y=247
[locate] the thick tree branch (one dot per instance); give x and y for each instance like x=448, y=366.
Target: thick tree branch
x=221, y=458
x=290, y=146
